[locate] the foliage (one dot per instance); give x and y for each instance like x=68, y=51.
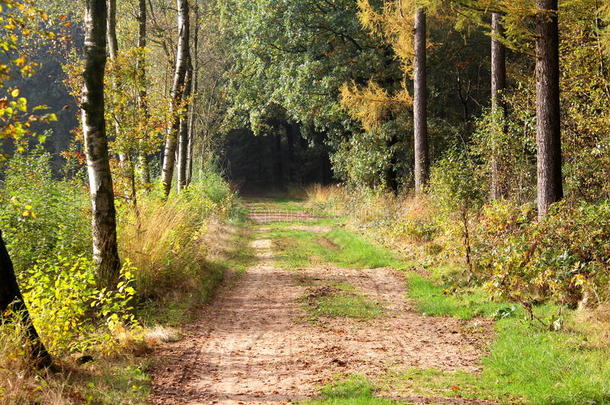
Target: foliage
x=167, y=239
x=40, y=216
x=71, y=313
x=456, y=190
x=564, y=256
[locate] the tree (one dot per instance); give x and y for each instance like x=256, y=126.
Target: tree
x=141, y=71
x=420, y=104
x=177, y=94
x=548, y=131
x=183, y=146
x=11, y=298
x=498, y=85
x=113, y=43
x=105, y=248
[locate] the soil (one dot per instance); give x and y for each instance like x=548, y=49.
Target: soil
x=254, y=344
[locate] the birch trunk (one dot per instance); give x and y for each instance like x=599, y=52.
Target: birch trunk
x=142, y=92
x=184, y=131
x=113, y=43
x=420, y=104
x=498, y=85
x=194, y=89
x=182, y=55
x=11, y=298
x=548, y=128
x=105, y=250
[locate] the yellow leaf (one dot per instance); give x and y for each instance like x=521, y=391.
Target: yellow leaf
x=15, y=93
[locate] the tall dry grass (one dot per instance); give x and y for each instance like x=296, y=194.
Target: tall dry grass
x=165, y=240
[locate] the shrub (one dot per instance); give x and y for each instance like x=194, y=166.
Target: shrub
x=565, y=256
x=457, y=192
x=165, y=238
x=70, y=312
x=39, y=215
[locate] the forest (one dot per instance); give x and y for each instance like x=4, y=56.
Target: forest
x=314, y=202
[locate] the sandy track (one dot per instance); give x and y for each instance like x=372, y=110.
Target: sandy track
x=253, y=346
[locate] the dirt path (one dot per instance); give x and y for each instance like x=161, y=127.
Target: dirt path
x=253, y=345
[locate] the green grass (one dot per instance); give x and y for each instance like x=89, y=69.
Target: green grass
x=353, y=390
x=109, y=382
x=340, y=302
x=301, y=248
x=432, y=298
x=527, y=363
x=547, y=367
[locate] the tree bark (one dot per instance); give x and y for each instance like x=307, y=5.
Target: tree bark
x=184, y=131
x=548, y=129
x=498, y=85
x=142, y=80
x=11, y=298
x=420, y=104
x=113, y=43
x=177, y=93
x=194, y=89
x=105, y=249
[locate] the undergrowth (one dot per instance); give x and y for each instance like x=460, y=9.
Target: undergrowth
x=543, y=352
x=174, y=254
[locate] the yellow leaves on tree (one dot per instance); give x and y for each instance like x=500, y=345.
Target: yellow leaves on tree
x=372, y=103
x=393, y=24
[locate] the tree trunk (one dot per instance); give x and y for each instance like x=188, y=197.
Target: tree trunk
x=184, y=131
x=194, y=89
x=113, y=43
x=182, y=56
x=498, y=85
x=548, y=129
x=105, y=249
x=11, y=298
x=142, y=92
x=420, y=104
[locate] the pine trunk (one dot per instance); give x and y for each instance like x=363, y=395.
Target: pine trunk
x=278, y=167
x=420, y=104
x=105, y=249
x=11, y=298
x=548, y=133
x=177, y=93
x=498, y=85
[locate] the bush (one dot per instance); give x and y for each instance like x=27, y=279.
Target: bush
x=40, y=216
x=70, y=312
x=166, y=238
x=457, y=192
x=565, y=256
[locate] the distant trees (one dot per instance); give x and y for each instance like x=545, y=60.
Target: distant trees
x=105, y=248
